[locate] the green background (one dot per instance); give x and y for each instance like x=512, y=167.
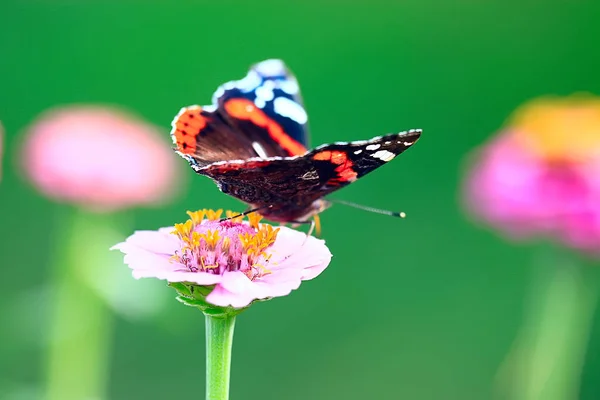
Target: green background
x=421, y=308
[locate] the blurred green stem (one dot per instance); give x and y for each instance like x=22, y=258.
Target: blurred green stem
x=548, y=356
x=81, y=331
x=219, y=341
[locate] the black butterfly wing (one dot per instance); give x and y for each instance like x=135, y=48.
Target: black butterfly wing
x=290, y=185
x=340, y=164
x=260, y=115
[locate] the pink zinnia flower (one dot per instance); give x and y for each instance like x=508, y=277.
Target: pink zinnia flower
x=98, y=157
x=541, y=175
x=243, y=261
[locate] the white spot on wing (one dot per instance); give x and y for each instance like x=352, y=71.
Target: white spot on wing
x=265, y=93
x=358, y=152
x=259, y=150
x=384, y=155
x=290, y=86
x=290, y=109
x=248, y=83
x=373, y=146
x=271, y=67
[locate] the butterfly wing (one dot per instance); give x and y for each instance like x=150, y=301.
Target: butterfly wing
x=290, y=185
x=271, y=88
x=203, y=137
x=342, y=163
x=260, y=115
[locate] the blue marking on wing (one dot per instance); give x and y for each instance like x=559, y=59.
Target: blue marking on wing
x=273, y=89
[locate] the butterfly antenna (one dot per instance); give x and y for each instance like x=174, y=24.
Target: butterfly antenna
x=397, y=214
x=250, y=211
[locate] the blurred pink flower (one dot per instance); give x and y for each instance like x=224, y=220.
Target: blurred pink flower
x=98, y=157
x=245, y=261
x=541, y=175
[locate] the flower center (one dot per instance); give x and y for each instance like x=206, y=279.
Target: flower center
x=563, y=130
x=215, y=246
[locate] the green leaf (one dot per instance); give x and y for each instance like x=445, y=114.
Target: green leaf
x=202, y=291
x=181, y=288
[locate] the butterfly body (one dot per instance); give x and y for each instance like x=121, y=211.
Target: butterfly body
x=253, y=143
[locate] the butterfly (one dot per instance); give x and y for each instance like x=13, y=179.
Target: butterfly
x=253, y=143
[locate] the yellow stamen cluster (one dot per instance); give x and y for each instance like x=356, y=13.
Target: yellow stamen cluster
x=254, y=219
x=196, y=216
x=211, y=238
x=183, y=230
x=253, y=245
x=256, y=244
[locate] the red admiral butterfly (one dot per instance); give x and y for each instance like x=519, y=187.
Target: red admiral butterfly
x=253, y=143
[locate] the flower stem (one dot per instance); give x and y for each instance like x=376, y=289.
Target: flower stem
x=81, y=336
x=82, y=324
x=219, y=340
x=547, y=358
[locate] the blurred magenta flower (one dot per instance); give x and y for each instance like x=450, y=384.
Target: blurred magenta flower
x=541, y=174
x=100, y=158
x=245, y=261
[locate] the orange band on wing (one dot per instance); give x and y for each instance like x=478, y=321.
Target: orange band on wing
x=186, y=126
x=246, y=110
x=336, y=157
x=344, y=170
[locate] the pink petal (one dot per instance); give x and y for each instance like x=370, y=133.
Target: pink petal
x=199, y=278
x=236, y=282
x=315, y=270
x=305, y=251
x=279, y=283
x=288, y=242
x=161, y=241
x=222, y=297
x=295, y=250
x=140, y=259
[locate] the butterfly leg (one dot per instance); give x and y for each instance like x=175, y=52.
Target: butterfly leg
x=314, y=223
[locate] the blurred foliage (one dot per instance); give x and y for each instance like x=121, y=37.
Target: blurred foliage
x=421, y=308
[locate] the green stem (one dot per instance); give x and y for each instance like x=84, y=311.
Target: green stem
x=548, y=356
x=219, y=340
x=80, y=337
x=81, y=334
